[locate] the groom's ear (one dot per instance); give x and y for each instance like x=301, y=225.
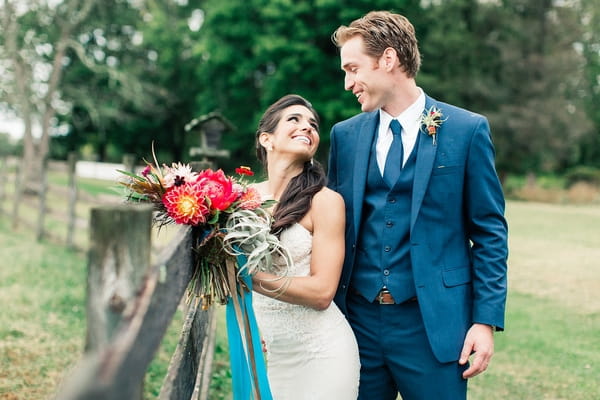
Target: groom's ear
x=389, y=58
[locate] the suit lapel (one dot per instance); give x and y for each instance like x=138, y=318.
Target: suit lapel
x=366, y=133
x=424, y=165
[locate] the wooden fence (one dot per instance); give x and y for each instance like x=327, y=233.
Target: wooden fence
x=133, y=293
x=58, y=212
x=130, y=303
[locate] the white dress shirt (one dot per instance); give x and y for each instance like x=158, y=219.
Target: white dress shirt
x=409, y=119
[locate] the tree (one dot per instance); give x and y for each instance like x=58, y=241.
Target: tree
x=36, y=38
x=256, y=51
x=146, y=89
x=516, y=62
x=540, y=119
x=589, y=15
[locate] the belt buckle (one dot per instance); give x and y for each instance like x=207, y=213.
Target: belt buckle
x=381, y=294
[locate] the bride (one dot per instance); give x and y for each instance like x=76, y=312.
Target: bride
x=311, y=350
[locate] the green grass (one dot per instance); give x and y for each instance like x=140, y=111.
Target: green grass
x=42, y=324
x=550, y=349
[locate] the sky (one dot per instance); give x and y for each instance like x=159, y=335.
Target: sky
x=11, y=125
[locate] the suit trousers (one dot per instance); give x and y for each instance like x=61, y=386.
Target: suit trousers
x=396, y=357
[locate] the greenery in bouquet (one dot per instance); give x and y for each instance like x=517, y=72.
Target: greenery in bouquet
x=230, y=217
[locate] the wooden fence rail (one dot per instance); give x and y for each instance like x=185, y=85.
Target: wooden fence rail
x=130, y=304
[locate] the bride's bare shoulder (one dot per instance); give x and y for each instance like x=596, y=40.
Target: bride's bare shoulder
x=328, y=196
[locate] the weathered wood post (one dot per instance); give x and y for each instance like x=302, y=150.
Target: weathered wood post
x=130, y=305
x=119, y=255
x=129, y=162
x=72, y=163
x=42, y=192
x=120, y=246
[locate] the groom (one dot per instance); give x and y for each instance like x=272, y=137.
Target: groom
x=424, y=280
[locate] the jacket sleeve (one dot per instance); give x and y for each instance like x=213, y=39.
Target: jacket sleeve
x=332, y=177
x=488, y=230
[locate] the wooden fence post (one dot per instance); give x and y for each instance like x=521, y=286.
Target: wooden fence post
x=18, y=195
x=117, y=356
x=3, y=177
x=120, y=245
x=42, y=192
x=129, y=162
x=72, y=163
x=124, y=233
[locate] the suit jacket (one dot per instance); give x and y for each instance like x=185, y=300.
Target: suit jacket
x=458, y=233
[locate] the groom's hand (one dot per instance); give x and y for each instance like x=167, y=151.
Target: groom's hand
x=479, y=340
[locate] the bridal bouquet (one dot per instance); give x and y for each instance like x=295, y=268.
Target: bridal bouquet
x=229, y=214
x=234, y=241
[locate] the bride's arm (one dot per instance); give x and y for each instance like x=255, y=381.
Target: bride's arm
x=316, y=290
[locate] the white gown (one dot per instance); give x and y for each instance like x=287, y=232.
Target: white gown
x=311, y=354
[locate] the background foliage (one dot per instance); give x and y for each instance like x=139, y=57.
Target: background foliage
x=138, y=71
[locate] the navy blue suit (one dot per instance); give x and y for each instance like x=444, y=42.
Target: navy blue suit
x=455, y=245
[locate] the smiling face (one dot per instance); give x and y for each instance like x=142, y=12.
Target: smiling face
x=365, y=76
x=296, y=133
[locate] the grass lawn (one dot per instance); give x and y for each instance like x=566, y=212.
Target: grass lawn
x=551, y=346
x=550, y=349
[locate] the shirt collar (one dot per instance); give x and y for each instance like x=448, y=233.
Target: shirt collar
x=407, y=118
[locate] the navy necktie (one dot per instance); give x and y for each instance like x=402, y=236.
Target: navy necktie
x=393, y=162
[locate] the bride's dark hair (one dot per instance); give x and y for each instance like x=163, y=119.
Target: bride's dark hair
x=296, y=199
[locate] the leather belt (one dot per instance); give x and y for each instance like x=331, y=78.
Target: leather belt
x=385, y=297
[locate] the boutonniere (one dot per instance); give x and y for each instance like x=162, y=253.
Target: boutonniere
x=431, y=120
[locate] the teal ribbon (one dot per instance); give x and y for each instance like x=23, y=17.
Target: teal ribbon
x=246, y=385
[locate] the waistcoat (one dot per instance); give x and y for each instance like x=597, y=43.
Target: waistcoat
x=383, y=256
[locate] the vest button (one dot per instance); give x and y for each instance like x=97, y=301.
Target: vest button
x=392, y=200
x=387, y=248
x=389, y=224
x=386, y=272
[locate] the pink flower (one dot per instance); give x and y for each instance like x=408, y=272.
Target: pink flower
x=238, y=189
x=186, y=204
x=218, y=188
x=146, y=171
x=250, y=199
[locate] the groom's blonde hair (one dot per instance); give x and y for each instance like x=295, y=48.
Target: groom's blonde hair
x=380, y=30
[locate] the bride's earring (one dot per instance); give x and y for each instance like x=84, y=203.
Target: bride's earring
x=270, y=147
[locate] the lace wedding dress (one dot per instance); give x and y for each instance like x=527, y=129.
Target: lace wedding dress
x=311, y=354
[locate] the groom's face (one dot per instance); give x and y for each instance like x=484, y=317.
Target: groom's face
x=364, y=76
